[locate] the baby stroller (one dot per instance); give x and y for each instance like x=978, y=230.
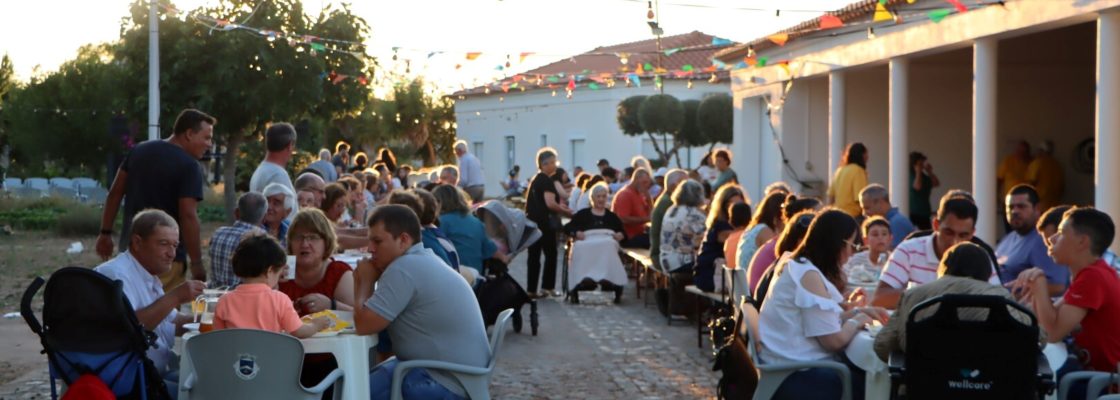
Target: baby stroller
x=514, y=233
x=89, y=327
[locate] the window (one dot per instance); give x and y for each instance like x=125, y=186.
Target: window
x=576, y=154
x=544, y=140
x=477, y=149
x=511, y=152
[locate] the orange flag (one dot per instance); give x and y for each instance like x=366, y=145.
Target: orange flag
x=779, y=39
x=472, y=56
x=523, y=55
x=830, y=21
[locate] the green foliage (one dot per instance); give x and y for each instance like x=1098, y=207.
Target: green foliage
x=714, y=118
x=661, y=113
x=690, y=132
x=627, y=117
x=209, y=213
x=412, y=116
x=66, y=216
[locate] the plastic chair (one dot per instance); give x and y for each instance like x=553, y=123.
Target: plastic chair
x=249, y=364
x=1098, y=381
x=771, y=375
x=83, y=183
x=12, y=183
x=25, y=192
x=93, y=195
x=63, y=192
x=475, y=380
x=41, y=184
x=61, y=183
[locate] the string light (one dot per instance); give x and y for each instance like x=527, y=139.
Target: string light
x=649, y=13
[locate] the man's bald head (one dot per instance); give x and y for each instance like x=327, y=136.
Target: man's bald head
x=313, y=183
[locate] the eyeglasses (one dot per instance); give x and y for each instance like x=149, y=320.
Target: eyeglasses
x=308, y=237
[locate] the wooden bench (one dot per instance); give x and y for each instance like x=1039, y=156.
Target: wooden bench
x=640, y=263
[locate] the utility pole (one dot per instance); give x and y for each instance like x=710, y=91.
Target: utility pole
x=655, y=27
x=153, y=71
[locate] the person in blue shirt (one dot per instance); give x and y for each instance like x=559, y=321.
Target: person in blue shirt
x=465, y=231
x=1024, y=248
x=875, y=201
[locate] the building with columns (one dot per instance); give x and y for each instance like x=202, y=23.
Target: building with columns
x=963, y=91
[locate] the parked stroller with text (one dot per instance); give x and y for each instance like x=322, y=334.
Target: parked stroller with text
x=513, y=232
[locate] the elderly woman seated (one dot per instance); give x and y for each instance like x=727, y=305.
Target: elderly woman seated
x=594, y=259
x=281, y=202
x=682, y=232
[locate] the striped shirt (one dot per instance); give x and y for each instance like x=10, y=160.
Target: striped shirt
x=914, y=262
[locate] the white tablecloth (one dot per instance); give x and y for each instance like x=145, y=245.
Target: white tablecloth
x=596, y=257
x=349, y=350
x=861, y=351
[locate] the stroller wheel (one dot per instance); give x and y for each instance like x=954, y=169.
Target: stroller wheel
x=517, y=321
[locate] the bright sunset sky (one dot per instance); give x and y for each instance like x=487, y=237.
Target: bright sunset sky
x=45, y=33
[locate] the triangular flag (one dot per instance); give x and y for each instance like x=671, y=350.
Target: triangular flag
x=553, y=79
x=339, y=78
x=472, y=56
x=784, y=65
x=740, y=65
x=938, y=15
x=881, y=13
x=957, y=3
x=686, y=67
x=718, y=41
x=751, y=61
x=883, y=2
x=523, y=55
x=318, y=47
x=762, y=61
x=660, y=70
x=672, y=51
x=593, y=86
x=779, y=39
x=638, y=69
x=830, y=21
x=648, y=66
x=635, y=80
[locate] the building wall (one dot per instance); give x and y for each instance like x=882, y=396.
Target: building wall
x=536, y=118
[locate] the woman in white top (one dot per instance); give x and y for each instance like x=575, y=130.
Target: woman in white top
x=803, y=319
x=682, y=232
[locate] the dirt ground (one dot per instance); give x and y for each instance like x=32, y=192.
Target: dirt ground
x=23, y=256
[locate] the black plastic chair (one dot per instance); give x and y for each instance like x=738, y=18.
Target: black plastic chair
x=952, y=358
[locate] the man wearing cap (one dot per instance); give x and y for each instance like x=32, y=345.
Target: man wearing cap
x=1045, y=174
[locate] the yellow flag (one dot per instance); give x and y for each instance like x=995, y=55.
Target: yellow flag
x=881, y=13
x=779, y=39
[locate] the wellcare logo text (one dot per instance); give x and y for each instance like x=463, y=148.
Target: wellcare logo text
x=967, y=384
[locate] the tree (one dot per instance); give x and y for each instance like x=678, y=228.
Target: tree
x=7, y=83
x=243, y=79
x=425, y=123
x=662, y=114
x=628, y=120
x=690, y=132
x=715, y=117
x=63, y=118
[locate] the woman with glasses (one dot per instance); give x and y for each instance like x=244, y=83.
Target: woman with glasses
x=803, y=320
x=320, y=283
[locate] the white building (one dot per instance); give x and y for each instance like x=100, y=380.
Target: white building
x=962, y=91
x=507, y=128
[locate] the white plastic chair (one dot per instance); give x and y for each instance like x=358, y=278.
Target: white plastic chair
x=61, y=183
x=41, y=184
x=83, y=183
x=63, y=192
x=94, y=195
x=249, y=364
x=476, y=380
x=1098, y=381
x=12, y=183
x=771, y=375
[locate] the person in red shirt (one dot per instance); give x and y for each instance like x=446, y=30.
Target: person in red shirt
x=633, y=206
x=1091, y=301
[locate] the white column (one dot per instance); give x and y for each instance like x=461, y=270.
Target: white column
x=984, y=68
x=835, y=122
x=898, y=115
x=1108, y=120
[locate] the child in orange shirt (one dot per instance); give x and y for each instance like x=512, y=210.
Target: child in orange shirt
x=260, y=261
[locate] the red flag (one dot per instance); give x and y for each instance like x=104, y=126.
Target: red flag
x=572, y=84
x=957, y=3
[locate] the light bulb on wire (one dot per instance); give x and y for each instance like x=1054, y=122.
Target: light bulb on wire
x=649, y=12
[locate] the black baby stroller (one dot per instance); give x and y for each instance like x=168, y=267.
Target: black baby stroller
x=89, y=327
x=499, y=290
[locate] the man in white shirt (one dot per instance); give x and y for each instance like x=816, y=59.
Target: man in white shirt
x=154, y=237
x=470, y=172
x=915, y=261
x=280, y=141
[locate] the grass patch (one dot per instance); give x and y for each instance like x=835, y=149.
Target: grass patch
x=81, y=220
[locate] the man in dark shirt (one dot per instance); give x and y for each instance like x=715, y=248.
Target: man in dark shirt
x=164, y=175
x=544, y=207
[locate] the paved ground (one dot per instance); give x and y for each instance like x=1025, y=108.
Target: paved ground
x=594, y=350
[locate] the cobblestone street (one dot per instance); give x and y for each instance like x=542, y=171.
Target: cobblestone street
x=593, y=350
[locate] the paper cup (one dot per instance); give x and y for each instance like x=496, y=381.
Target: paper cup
x=291, y=268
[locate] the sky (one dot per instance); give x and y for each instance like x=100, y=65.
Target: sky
x=39, y=35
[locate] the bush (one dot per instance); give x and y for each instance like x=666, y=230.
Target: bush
x=209, y=213
x=80, y=220
x=32, y=214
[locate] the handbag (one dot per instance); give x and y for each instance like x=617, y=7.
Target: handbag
x=740, y=378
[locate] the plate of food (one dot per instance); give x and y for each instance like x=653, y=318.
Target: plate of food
x=341, y=321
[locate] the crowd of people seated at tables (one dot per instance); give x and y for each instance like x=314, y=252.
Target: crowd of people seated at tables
x=800, y=256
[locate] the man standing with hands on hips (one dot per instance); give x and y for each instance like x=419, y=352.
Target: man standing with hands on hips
x=428, y=309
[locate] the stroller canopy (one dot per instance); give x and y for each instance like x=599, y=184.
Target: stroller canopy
x=510, y=226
